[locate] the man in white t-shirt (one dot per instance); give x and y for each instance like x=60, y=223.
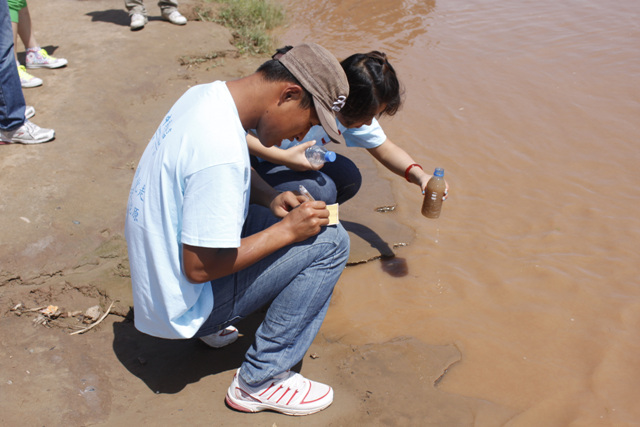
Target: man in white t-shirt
x=210, y=242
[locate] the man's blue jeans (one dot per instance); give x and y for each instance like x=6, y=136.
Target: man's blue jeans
x=297, y=281
x=12, y=103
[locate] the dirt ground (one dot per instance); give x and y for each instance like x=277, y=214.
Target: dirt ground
x=62, y=244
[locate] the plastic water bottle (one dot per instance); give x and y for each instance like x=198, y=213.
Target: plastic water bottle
x=432, y=204
x=318, y=155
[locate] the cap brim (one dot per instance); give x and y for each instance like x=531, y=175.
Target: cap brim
x=328, y=122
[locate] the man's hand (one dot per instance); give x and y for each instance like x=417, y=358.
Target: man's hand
x=284, y=203
x=300, y=222
x=306, y=219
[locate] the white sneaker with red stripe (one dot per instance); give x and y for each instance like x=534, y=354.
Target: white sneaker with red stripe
x=288, y=393
x=221, y=338
x=28, y=133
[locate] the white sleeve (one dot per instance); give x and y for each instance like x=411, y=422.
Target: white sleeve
x=214, y=209
x=365, y=136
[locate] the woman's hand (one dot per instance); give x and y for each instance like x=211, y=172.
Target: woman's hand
x=424, y=179
x=296, y=160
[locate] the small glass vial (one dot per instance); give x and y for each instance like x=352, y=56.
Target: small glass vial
x=432, y=204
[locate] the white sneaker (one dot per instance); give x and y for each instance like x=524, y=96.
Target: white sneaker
x=28, y=133
x=138, y=21
x=175, y=17
x=39, y=58
x=221, y=338
x=288, y=393
x=29, y=112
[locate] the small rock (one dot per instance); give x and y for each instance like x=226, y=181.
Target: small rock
x=92, y=314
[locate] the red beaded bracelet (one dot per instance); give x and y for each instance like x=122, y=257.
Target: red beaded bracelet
x=406, y=173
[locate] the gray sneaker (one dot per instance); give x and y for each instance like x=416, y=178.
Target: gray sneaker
x=175, y=17
x=138, y=21
x=28, y=133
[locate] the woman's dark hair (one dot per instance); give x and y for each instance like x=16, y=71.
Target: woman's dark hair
x=372, y=83
x=274, y=71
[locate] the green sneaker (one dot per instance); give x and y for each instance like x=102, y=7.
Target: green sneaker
x=26, y=79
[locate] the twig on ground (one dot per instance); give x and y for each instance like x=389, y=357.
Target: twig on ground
x=81, y=331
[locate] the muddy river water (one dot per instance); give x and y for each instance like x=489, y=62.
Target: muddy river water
x=533, y=110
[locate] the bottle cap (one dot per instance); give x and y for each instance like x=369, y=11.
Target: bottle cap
x=439, y=172
x=329, y=156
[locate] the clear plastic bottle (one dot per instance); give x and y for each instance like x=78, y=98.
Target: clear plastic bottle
x=432, y=204
x=318, y=155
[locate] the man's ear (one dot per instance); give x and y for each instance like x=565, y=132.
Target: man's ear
x=291, y=92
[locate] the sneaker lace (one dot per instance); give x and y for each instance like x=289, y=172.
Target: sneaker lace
x=294, y=382
x=23, y=74
x=45, y=55
x=30, y=127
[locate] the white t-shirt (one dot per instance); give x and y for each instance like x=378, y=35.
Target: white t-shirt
x=191, y=186
x=364, y=136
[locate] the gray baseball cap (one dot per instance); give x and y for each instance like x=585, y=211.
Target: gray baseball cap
x=320, y=73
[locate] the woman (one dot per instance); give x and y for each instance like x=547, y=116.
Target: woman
x=374, y=91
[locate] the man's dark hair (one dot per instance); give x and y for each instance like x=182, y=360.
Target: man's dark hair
x=372, y=83
x=274, y=71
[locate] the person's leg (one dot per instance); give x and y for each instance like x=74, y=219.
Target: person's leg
x=137, y=13
x=282, y=178
x=14, y=37
x=167, y=6
x=14, y=8
x=170, y=12
x=135, y=6
x=14, y=13
x=12, y=104
x=25, y=30
x=298, y=282
x=346, y=177
x=336, y=182
x=14, y=127
x=36, y=57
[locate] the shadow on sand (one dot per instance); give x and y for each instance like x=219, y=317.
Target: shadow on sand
x=168, y=366
x=116, y=16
